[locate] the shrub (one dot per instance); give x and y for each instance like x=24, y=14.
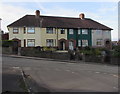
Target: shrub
x=48, y=49
x=116, y=51
x=7, y=43
x=91, y=51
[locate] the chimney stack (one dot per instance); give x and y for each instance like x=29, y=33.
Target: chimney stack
x=82, y=16
x=37, y=13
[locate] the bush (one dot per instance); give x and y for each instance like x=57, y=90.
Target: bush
x=49, y=49
x=91, y=51
x=7, y=43
x=116, y=51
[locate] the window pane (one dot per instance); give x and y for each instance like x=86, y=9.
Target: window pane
x=49, y=30
x=99, y=42
x=84, y=43
x=49, y=42
x=31, y=30
x=78, y=31
x=84, y=31
x=70, y=31
x=79, y=42
x=99, y=31
x=31, y=42
x=15, y=30
x=62, y=31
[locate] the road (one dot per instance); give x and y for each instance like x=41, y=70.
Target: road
x=56, y=76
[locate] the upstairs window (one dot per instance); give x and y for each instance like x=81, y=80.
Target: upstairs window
x=99, y=31
x=31, y=30
x=62, y=31
x=84, y=31
x=15, y=30
x=49, y=30
x=70, y=31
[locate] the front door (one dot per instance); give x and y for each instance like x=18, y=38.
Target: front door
x=62, y=45
x=71, y=45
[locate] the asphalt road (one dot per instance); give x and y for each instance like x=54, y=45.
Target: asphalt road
x=56, y=76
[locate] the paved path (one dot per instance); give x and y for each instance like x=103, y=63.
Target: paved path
x=56, y=76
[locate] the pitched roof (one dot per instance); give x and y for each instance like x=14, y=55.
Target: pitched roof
x=58, y=22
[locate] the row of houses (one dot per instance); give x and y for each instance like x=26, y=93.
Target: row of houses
x=62, y=32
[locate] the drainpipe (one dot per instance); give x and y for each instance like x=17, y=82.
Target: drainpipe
x=57, y=37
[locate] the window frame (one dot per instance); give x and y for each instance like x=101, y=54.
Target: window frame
x=84, y=43
x=49, y=31
x=51, y=41
x=79, y=31
x=79, y=43
x=15, y=29
x=31, y=40
x=62, y=31
x=83, y=31
x=32, y=29
x=71, y=31
x=97, y=42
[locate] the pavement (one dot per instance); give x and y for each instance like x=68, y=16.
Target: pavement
x=12, y=80
x=47, y=75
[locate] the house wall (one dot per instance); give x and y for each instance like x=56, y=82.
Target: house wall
x=21, y=36
x=40, y=37
x=100, y=34
x=56, y=36
x=80, y=36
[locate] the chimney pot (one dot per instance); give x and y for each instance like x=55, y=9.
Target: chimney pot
x=37, y=13
x=82, y=16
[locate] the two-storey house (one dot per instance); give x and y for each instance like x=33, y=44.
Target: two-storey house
x=61, y=32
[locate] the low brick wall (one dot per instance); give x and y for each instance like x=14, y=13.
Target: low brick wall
x=7, y=50
x=44, y=54
x=33, y=52
x=91, y=58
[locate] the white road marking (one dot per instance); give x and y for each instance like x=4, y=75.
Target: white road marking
x=73, y=72
x=97, y=72
x=104, y=73
x=67, y=70
x=115, y=75
x=115, y=87
x=16, y=67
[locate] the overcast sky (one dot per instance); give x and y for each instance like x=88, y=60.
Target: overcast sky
x=103, y=12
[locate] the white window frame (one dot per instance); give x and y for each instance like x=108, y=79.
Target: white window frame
x=49, y=30
x=99, y=31
x=30, y=30
x=49, y=42
x=84, y=31
x=71, y=45
x=79, y=42
x=84, y=43
x=71, y=31
x=79, y=31
x=99, y=42
x=15, y=30
x=30, y=41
